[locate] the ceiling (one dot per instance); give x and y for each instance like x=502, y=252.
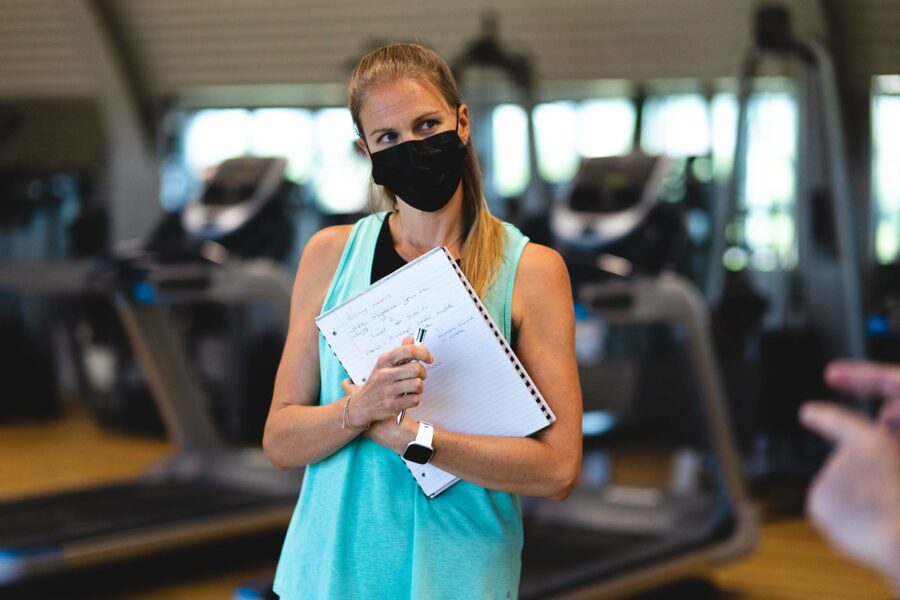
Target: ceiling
x=179, y=46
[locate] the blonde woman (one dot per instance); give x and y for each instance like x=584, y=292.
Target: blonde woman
x=362, y=528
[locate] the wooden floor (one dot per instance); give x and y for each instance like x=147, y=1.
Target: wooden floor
x=791, y=562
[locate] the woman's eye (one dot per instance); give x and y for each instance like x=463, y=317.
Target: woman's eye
x=387, y=138
x=429, y=124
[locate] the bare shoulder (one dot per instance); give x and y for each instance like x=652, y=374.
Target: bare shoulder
x=329, y=241
x=541, y=267
x=320, y=258
x=541, y=279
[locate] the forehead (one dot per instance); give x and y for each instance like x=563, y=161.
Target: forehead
x=394, y=103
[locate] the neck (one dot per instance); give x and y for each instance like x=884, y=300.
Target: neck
x=420, y=231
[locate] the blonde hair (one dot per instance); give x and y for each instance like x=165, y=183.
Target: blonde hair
x=483, y=234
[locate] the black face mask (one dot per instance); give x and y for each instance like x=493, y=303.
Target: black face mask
x=424, y=173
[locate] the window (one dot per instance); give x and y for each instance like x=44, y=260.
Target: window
x=724, y=132
x=676, y=125
x=556, y=127
x=763, y=235
x=606, y=127
x=511, y=171
x=885, y=172
x=341, y=171
x=567, y=131
x=284, y=132
x=767, y=200
x=212, y=136
x=320, y=148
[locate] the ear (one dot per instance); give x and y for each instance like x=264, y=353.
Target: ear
x=464, y=124
x=362, y=145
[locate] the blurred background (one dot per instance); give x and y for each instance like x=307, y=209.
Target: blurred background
x=722, y=178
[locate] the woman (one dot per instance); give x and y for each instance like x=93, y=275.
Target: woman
x=362, y=528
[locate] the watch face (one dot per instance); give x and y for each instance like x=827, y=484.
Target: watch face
x=417, y=454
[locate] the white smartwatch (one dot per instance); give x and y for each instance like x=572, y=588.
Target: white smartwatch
x=419, y=450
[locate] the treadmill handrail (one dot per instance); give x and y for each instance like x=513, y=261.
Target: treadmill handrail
x=670, y=298
x=166, y=367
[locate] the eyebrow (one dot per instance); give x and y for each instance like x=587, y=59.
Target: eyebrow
x=431, y=113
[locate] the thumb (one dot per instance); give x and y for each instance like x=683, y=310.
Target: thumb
x=407, y=340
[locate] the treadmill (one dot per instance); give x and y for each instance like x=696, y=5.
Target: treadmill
x=610, y=538
x=652, y=398
x=206, y=490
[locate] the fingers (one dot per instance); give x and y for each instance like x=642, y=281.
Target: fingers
x=404, y=353
x=347, y=386
x=391, y=385
x=864, y=378
x=386, y=386
x=405, y=402
x=834, y=423
x=407, y=386
x=890, y=415
x=407, y=371
x=399, y=376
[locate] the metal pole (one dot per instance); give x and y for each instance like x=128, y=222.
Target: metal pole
x=842, y=203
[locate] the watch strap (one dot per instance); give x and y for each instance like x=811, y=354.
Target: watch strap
x=425, y=434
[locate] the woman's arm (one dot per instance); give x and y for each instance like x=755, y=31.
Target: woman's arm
x=548, y=463
x=298, y=431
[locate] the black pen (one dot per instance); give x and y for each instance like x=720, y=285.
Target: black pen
x=420, y=336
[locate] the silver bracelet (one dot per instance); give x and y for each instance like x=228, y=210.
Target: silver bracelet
x=345, y=421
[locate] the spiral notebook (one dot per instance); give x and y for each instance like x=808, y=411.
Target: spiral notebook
x=476, y=384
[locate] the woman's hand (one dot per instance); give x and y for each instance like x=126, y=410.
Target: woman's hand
x=395, y=384
x=394, y=437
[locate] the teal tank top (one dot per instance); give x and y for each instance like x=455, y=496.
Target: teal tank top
x=362, y=528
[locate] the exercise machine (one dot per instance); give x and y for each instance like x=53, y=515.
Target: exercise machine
x=652, y=396
x=484, y=55
x=247, y=211
x=207, y=489
x=37, y=215
x=611, y=537
x=777, y=328
x=827, y=241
